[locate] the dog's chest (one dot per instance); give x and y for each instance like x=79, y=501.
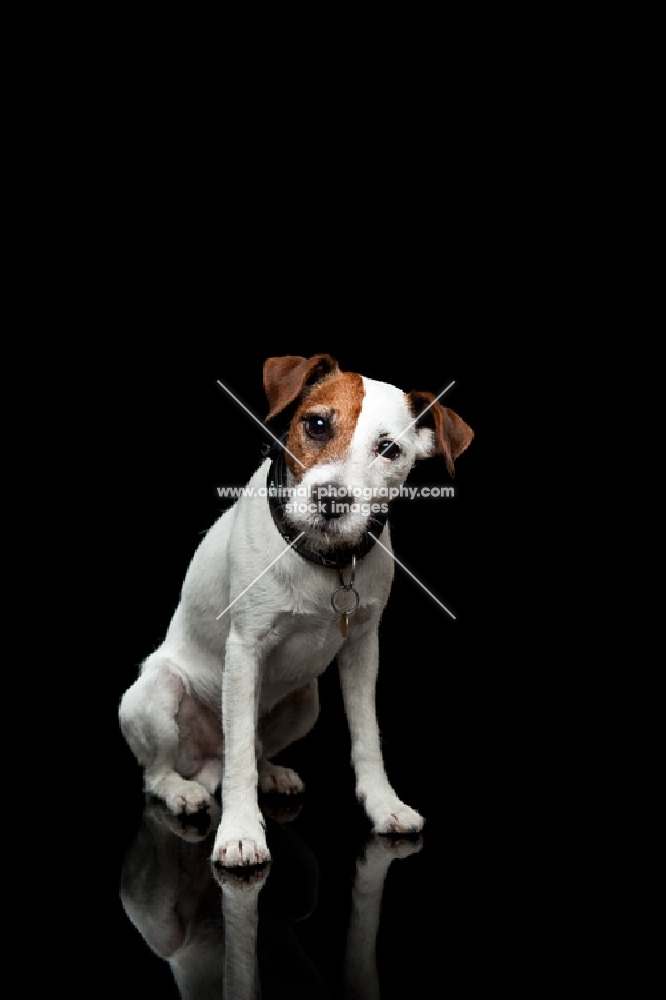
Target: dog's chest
x=302, y=644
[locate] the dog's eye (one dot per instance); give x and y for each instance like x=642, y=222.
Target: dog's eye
x=388, y=449
x=318, y=428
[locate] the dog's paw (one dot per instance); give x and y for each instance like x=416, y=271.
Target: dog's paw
x=401, y=819
x=391, y=816
x=275, y=779
x=239, y=843
x=180, y=795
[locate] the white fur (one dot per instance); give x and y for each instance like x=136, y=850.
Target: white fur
x=255, y=670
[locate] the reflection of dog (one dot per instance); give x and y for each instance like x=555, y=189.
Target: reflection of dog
x=300, y=583
x=168, y=893
x=360, y=972
x=207, y=927
x=171, y=898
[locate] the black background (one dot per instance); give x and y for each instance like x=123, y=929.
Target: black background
x=448, y=246
x=445, y=690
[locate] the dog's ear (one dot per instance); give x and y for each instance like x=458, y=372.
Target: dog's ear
x=440, y=431
x=286, y=378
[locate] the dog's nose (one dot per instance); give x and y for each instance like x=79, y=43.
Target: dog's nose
x=329, y=506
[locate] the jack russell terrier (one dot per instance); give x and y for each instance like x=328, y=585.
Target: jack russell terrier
x=277, y=589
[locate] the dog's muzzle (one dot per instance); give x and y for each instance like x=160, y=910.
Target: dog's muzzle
x=336, y=557
x=327, y=502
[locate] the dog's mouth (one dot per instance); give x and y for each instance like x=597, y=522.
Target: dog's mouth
x=340, y=528
x=331, y=522
x=331, y=525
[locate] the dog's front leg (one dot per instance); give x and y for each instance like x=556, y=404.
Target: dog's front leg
x=358, y=661
x=241, y=838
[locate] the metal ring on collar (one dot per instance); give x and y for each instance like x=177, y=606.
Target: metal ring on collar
x=354, y=592
x=353, y=574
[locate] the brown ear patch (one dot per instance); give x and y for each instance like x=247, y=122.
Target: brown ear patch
x=286, y=378
x=452, y=434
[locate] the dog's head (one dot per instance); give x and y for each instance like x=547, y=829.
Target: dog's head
x=343, y=430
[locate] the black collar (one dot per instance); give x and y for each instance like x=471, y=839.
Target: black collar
x=338, y=557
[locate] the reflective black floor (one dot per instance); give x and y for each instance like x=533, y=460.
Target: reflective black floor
x=339, y=916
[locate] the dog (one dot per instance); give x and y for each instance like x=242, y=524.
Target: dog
x=279, y=587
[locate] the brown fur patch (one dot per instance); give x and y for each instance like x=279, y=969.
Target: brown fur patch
x=285, y=378
x=338, y=397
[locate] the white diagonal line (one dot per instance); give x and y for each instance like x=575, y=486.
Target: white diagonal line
x=260, y=576
x=402, y=566
x=263, y=426
x=415, y=419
